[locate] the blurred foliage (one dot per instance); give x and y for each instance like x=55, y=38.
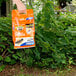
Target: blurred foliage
x=63, y=3
x=55, y=41
x=74, y=2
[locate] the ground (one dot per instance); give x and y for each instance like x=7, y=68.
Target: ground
x=22, y=70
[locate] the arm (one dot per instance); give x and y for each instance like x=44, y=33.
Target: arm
x=20, y=6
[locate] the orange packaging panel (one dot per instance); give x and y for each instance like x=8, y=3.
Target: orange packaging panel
x=23, y=29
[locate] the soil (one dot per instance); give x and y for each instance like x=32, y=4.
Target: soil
x=23, y=70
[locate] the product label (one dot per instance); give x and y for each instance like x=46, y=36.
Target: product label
x=24, y=41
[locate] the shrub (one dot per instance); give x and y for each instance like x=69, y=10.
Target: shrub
x=55, y=41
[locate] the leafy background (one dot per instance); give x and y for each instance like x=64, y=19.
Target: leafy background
x=55, y=41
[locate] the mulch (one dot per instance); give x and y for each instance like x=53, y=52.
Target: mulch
x=18, y=69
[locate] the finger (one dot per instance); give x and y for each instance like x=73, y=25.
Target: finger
x=21, y=8
x=22, y=11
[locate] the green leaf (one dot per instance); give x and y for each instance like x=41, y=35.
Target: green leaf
x=9, y=50
x=63, y=61
x=2, y=67
x=15, y=56
x=13, y=61
x=7, y=59
x=74, y=53
x=1, y=58
x=3, y=46
x=29, y=61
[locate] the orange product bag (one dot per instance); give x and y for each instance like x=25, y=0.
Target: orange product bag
x=23, y=29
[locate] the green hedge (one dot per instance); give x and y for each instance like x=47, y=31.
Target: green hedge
x=55, y=41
